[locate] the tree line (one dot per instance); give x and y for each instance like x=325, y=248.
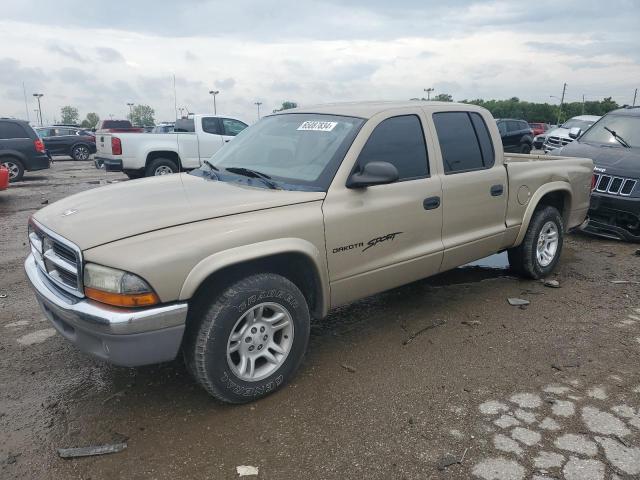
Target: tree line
x=140, y=115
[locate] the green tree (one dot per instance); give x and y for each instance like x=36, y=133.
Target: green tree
x=92, y=120
x=142, y=115
x=286, y=105
x=69, y=114
x=443, y=97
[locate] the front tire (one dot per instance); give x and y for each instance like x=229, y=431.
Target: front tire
x=80, y=152
x=538, y=254
x=16, y=169
x=250, y=340
x=161, y=166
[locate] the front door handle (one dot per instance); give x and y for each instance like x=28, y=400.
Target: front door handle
x=431, y=203
x=497, y=190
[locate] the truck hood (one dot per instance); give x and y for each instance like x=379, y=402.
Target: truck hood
x=557, y=132
x=614, y=160
x=121, y=210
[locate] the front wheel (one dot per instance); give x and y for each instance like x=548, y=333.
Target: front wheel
x=539, y=253
x=250, y=340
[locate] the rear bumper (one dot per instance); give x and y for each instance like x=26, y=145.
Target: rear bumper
x=38, y=162
x=125, y=337
x=614, y=216
x=109, y=164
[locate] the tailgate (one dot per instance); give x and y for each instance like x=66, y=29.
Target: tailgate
x=103, y=144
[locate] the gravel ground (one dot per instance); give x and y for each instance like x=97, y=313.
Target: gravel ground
x=438, y=379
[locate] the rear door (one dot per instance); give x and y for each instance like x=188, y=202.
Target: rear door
x=383, y=236
x=58, y=142
x=474, y=195
x=210, y=136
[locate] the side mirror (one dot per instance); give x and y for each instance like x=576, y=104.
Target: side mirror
x=374, y=173
x=575, y=132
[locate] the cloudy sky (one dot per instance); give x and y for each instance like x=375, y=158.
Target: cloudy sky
x=97, y=56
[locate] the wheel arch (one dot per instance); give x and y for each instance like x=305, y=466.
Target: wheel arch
x=556, y=194
x=295, y=259
x=168, y=154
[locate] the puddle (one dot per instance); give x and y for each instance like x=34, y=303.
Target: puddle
x=498, y=260
x=493, y=266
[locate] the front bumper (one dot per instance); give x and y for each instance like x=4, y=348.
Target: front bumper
x=614, y=216
x=109, y=164
x=125, y=337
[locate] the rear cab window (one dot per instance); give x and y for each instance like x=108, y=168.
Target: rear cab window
x=465, y=142
x=399, y=141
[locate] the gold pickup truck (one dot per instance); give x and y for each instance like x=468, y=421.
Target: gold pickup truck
x=304, y=211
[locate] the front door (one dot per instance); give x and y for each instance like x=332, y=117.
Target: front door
x=474, y=188
x=383, y=236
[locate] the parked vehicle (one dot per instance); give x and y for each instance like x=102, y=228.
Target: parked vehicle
x=21, y=149
x=193, y=141
x=77, y=143
x=163, y=128
x=118, y=126
x=307, y=210
x=516, y=135
x=614, y=144
x=539, y=127
x=559, y=137
x=4, y=177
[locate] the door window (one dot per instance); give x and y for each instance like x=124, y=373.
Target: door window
x=464, y=141
x=211, y=125
x=12, y=130
x=232, y=127
x=502, y=128
x=513, y=126
x=399, y=141
x=61, y=132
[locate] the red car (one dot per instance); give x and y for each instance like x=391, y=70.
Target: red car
x=539, y=128
x=4, y=177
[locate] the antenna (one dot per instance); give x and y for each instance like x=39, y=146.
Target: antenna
x=175, y=97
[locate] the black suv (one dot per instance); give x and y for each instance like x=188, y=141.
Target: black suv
x=21, y=149
x=613, y=142
x=77, y=143
x=517, y=135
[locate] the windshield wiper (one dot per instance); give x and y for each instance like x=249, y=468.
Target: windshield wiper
x=620, y=140
x=213, y=169
x=248, y=172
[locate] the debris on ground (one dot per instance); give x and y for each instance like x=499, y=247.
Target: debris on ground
x=518, y=302
x=246, y=470
x=11, y=458
x=3, y=295
x=471, y=323
x=44, y=202
x=422, y=330
x=91, y=451
x=637, y=253
x=348, y=368
x=551, y=283
x=446, y=461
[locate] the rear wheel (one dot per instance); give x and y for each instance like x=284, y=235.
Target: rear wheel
x=539, y=253
x=15, y=167
x=250, y=340
x=161, y=166
x=80, y=152
x=525, y=148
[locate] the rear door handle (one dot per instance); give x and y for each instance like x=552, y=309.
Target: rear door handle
x=431, y=203
x=497, y=190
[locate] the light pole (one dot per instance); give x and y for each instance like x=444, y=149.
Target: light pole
x=38, y=96
x=258, y=105
x=181, y=109
x=429, y=90
x=130, y=105
x=214, y=93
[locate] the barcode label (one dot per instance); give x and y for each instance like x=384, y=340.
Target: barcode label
x=317, y=126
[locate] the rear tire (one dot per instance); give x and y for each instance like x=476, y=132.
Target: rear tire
x=525, y=148
x=80, y=153
x=16, y=169
x=538, y=254
x=161, y=166
x=248, y=341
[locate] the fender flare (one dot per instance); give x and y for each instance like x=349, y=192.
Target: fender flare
x=558, y=186
x=255, y=251
x=153, y=150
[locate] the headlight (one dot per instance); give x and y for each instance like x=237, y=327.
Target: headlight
x=117, y=287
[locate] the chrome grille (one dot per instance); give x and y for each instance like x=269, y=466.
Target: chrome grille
x=557, y=142
x=614, y=185
x=58, y=259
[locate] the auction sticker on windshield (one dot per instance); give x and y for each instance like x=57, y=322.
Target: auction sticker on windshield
x=317, y=126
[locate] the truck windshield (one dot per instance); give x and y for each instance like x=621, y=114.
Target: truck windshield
x=296, y=150
x=626, y=127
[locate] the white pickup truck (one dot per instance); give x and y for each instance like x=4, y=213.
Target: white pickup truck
x=194, y=140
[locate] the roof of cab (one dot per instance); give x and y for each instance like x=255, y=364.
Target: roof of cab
x=369, y=109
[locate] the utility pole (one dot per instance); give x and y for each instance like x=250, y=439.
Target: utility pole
x=583, y=104
x=258, y=104
x=214, y=93
x=26, y=106
x=429, y=90
x=38, y=96
x=564, y=90
x=634, y=97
